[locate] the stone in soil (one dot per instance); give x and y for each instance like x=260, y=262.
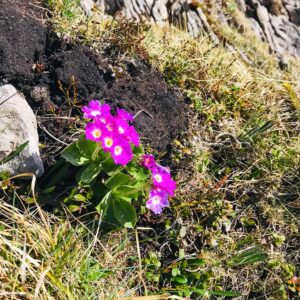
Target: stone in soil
x=17, y=126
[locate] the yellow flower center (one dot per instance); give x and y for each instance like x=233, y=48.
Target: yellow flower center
x=109, y=127
x=96, y=133
x=108, y=142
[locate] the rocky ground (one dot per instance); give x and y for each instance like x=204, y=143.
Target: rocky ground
x=273, y=21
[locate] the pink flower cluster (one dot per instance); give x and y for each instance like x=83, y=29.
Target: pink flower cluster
x=113, y=132
x=116, y=135
x=163, y=184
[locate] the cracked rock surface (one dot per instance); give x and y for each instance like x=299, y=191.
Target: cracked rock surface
x=279, y=21
x=275, y=21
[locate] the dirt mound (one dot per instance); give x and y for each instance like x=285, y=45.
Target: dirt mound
x=22, y=42
x=38, y=63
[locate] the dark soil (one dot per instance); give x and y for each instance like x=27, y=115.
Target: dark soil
x=40, y=65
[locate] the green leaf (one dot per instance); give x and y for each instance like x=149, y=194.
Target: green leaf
x=138, y=173
x=99, y=190
x=80, y=198
x=78, y=175
x=225, y=293
x=104, y=203
x=92, y=271
x=117, y=180
x=109, y=165
x=129, y=192
x=267, y=125
x=29, y=200
x=14, y=153
x=243, y=242
x=175, y=272
x=137, y=150
x=196, y=262
x=181, y=279
x=125, y=213
x=90, y=173
x=73, y=155
x=106, y=211
x=257, y=130
x=181, y=253
x=48, y=190
x=73, y=208
x=203, y=292
x=87, y=148
x=248, y=257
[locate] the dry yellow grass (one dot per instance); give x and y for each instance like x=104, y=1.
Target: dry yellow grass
x=60, y=259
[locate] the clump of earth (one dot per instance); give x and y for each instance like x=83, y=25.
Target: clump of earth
x=58, y=78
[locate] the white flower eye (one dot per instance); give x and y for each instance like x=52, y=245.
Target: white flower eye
x=95, y=113
x=96, y=133
x=158, y=177
x=156, y=200
x=118, y=150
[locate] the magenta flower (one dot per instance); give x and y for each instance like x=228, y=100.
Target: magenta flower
x=110, y=123
x=148, y=161
x=95, y=110
x=116, y=135
x=133, y=136
x=121, y=126
x=163, y=169
x=94, y=131
x=164, y=181
x=121, y=152
x=124, y=115
x=108, y=141
x=114, y=132
x=158, y=199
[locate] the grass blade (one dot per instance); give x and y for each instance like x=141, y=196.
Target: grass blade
x=14, y=153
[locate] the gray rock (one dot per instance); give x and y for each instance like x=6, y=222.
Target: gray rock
x=278, y=22
x=273, y=21
x=293, y=9
x=177, y=12
x=257, y=29
x=40, y=93
x=242, y=5
x=18, y=125
x=87, y=6
x=108, y=7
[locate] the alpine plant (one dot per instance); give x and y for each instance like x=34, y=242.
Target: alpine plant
x=117, y=135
